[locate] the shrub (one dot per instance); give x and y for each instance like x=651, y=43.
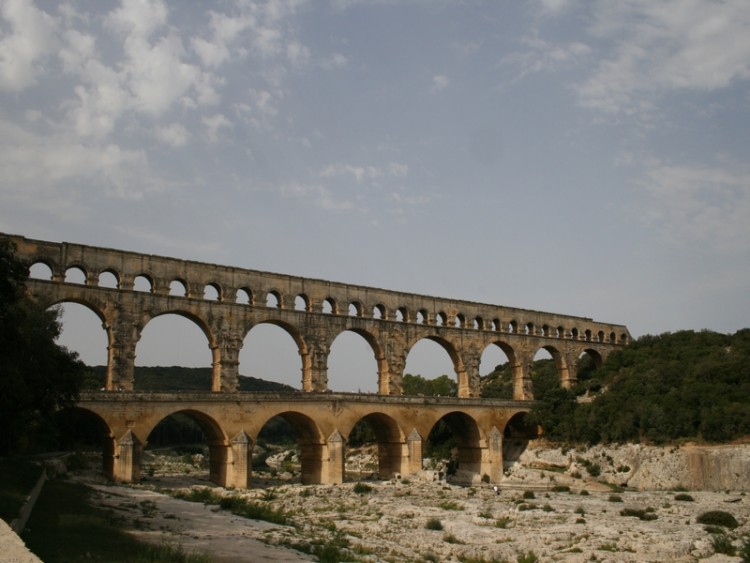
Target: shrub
x=684, y=497
x=434, y=524
x=362, y=488
x=722, y=544
x=647, y=514
x=718, y=518
x=502, y=522
x=744, y=551
x=528, y=494
x=615, y=498
x=450, y=505
x=560, y=489
x=528, y=557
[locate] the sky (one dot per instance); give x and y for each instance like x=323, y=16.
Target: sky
x=583, y=158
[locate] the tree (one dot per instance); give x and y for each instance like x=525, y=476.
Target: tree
x=37, y=376
x=442, y=386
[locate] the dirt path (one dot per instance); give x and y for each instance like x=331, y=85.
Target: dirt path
x=157, y=518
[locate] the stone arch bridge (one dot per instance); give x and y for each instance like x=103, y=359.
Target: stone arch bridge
x=227, y=302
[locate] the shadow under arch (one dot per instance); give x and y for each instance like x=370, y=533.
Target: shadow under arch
x=517, y=434
x=218, y=445
x=81, y=430
x=390, y=442
x=311, y=444
x=465, y=452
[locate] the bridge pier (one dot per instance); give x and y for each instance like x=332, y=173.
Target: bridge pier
x=127, y=462
x=492, y=460
x=414, y=457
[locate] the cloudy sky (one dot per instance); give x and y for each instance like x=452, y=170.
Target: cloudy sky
x=587, y=158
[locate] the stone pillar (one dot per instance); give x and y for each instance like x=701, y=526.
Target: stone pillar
x=333, y=463
x=568, y=375
x=414, y=447
x=124, y=336
x=494, y=459
x=317, y=352
x=395, y=357
x=523, y=389
x=226, y=360
x=127, y=466
x=241, y=468
x=218, y=459
x=468, y=380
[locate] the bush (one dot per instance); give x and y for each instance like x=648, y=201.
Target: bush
x=744, y=551
x=362, y=488
x=528, y=494
x=615, y=498
x=684, y=497
x=434, y=524
x=640, y=513
x=528, y=557
x=722, y=544
x=718, y=518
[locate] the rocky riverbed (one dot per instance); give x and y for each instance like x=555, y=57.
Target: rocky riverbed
x=554, y=505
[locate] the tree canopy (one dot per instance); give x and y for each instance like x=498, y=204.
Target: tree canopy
x=682, y=385
x=37, y=376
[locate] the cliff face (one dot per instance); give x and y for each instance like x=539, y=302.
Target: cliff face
x=693, y=467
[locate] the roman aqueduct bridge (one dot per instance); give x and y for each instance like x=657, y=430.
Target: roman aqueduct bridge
x=314, y=312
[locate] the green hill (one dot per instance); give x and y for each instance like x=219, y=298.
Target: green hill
x=176, y=378
x=675, y=386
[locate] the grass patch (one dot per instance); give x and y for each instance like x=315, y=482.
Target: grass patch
x=252, y=510
x=65, y=527
x=17, y=478
x=450, y=505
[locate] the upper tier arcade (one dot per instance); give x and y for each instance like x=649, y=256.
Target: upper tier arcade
x=312, y=311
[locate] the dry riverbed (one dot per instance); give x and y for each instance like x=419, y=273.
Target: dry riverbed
x=422, y=519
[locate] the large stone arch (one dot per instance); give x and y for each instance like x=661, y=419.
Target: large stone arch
x=391, y=441
x=211, y=340
x=306, y=373
x=468, y=439
x=80, y=426
x=516, y=436
x=218, y=443
x=561, y=364
x=378, y=350
x=514, y=360
x=315, y=457
x=462, y=378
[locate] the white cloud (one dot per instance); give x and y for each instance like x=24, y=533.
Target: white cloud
x=174, y=135
x=214, y=124
x=23, y=51
x=319, y=195
x=361, y=173
x=663, y=47
x=439, y=82
x=542, y=56
x=32, y=166
x=689, y=204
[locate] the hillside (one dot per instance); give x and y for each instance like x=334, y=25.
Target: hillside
x=677, y=386
x=176, y=378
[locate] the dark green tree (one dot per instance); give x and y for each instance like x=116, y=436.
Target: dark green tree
x=37, y=376
x=442, y=386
